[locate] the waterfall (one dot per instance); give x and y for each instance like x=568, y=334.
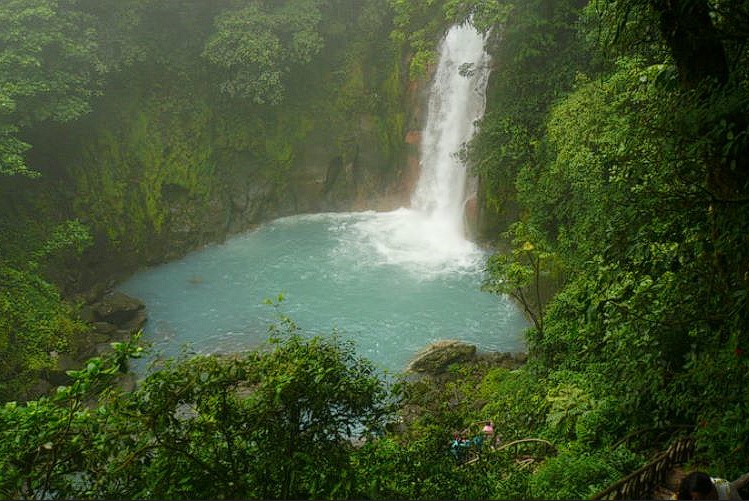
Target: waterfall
x=429, y=237
x=457, y=99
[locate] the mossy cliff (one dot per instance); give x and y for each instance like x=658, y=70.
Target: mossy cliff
x=165, y=164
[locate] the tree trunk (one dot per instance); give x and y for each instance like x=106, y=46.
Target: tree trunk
x=700, y=57
x=693, y=40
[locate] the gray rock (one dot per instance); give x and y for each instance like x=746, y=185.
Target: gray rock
x=136, y=322
x=104, y=327
x=39, y=388
x=438, y=356
x=88, y=314
x=103, y=349
x=117, y=308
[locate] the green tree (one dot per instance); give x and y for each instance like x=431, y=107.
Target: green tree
x=686, y=28
x=49, y=70
x=258, y=45
x=36, y=327
x=49, y=444
x=525, y=273
x=627, y=198
x=279, y=422
x=702, y=41
x=537, y=51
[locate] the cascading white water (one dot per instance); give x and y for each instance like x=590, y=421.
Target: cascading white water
x=430, y=235
x=457, y=99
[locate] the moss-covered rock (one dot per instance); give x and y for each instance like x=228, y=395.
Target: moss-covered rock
x=438, y=356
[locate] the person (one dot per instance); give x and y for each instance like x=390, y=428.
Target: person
x=488, y=429
x=700, y=485
x=459, y=446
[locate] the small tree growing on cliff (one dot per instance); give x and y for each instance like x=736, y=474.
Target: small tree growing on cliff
x=524, y=273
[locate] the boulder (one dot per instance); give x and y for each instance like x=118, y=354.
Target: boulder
x=104, y=327
x=39, y=388
x=117, y=308
x=103, y=349
x=88, y=314
x=136, y=322
x=59, y=375
x=438, y=356
x=506, y=360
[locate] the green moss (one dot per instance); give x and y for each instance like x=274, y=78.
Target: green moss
x=35, y=327
x=392, y=118
x=134, y=153
x=145, y=140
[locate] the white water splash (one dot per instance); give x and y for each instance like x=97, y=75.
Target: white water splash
x=430, y=236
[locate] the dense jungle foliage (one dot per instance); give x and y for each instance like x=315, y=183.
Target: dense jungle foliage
x=613, y=161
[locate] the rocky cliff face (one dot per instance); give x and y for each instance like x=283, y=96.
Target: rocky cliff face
x=153, y=186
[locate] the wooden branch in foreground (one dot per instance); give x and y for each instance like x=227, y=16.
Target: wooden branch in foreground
x=527, y=440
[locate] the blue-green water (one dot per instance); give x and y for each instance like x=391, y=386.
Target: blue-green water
x=392, y=282
x=378, y=279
